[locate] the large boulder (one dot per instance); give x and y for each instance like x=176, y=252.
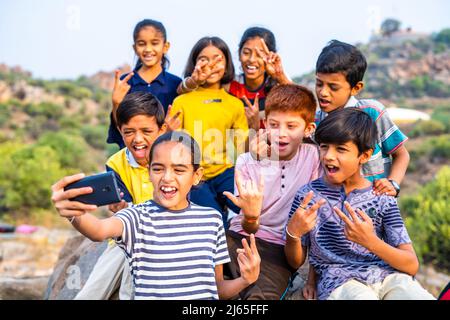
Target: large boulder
x=75, y=263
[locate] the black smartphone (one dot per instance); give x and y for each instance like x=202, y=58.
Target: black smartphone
x=105, y=188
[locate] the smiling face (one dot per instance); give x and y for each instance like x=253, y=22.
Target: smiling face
x=138, y=135
x=208, y=54
x=251, y=63
x=342, y=162
x=150, y=46
x=286, y=132
x=172, y=175
x=333, y=91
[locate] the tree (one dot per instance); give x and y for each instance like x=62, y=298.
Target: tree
x=389, y=26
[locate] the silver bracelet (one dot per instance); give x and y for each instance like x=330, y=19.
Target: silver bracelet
x=290, y=235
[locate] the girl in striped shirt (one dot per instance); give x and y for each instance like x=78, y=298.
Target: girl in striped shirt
x=176, y=249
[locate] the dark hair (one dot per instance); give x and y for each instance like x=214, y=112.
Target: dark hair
x=348, y=124
x=183, y=138
x=139, y=103
x=292, y=97
x=269, y=39
x=342, y=57
x=259, y=32
x=160, y=28
x=219, y=44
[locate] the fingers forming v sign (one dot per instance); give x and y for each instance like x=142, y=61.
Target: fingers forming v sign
x=204, y=68
x=249, y=260
x=359, y=228
x=121, y=87
x=304, y=218
x=252, y=112
x=172, y=122
x=271, y=59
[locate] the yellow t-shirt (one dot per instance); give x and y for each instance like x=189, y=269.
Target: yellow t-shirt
x=134, y=176
x=218, y=123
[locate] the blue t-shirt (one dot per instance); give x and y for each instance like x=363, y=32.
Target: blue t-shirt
x=164, y=87
x=337, y=260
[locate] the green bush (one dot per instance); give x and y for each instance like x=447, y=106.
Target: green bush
x=5, y=114
x=72, y=151
x=46, y=109
x=26, y=175
x=427, y=128
x=440, y=147
x=442, y=114
x=95, y=136
x=428, y=220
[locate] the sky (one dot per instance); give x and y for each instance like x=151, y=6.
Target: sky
x=63, y=39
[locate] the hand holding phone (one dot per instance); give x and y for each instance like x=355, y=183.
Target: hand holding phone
x=105, y=189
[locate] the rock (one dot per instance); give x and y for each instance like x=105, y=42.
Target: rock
x=22, y=289
x=75, y=263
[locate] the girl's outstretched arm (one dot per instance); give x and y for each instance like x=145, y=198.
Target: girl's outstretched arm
x=78, y=213
x=249, y=262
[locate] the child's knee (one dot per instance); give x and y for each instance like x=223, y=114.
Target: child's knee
x=353, y=290
x=400, y=286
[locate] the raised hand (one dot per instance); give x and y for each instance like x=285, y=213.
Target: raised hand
x=121, y=88
x=60, y=198
x=358, y=230
x=249, y=260
x=172, y=123
x=260, y=147
x=250, y=196
x=204, y=68
x=252, y=113
x=273, y=64
x=304, y=218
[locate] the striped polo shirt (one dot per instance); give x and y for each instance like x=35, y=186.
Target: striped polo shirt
x=172, y=254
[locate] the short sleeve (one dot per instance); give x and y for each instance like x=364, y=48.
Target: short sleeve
x=130, y=221
x=221, y=254
x=395, y=232
x=391, y=136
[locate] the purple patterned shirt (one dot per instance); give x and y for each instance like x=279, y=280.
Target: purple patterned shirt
x=337, y=260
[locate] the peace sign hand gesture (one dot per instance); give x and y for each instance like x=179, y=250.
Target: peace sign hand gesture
x=272, y=61
x=121, y=88
x=249, y=261
x=359, y=230
x=252, y=113
x=204, y=68
x=304, y=219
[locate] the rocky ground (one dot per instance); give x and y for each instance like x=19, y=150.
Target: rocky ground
x=35, y=267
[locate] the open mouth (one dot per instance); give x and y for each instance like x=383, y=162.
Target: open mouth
x=168, y=192
x=149, y=57
x=324, y=103
x=331, y=169
x=282, y=145
x=251, y=69
x=140, y=151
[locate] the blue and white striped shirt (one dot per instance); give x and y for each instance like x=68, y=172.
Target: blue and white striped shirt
x=172, y=254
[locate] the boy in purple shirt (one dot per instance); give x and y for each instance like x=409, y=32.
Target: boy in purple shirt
x=289, y=114
x=357, y=241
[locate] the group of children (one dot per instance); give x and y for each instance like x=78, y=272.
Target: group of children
x=222, y=198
